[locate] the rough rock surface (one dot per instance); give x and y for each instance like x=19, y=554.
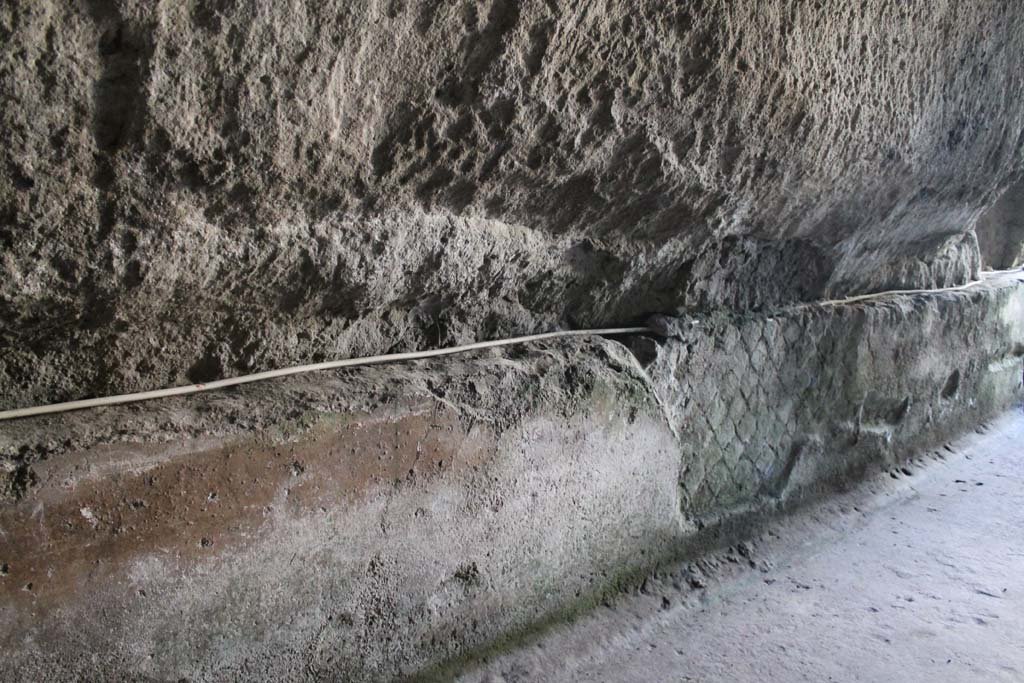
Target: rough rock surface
x=192, y=189
x=1000, y=230
x=364, y=524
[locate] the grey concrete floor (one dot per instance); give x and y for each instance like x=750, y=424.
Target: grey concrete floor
x=917, y=575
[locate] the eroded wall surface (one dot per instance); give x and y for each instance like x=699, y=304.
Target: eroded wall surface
x=1000, y=230
x=196, y=189
x=377, y=522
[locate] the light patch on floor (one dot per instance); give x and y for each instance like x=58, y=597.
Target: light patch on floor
x=916, y=576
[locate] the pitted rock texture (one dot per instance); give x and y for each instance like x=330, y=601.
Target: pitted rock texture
x=1001, y=230
x=194, y=189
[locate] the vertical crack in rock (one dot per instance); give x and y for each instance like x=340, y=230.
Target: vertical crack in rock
x=119, y=100
x=119, y=110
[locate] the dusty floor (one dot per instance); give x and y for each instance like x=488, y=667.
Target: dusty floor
x=916, y=576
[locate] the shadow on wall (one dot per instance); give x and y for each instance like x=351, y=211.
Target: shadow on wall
x=1001, y=230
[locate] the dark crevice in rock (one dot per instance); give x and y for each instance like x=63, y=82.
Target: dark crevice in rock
x=119, y=100
x=952, y=385
x=1001, y=230
x=16, y=479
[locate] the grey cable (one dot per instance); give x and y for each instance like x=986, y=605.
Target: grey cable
x=413, y=355
x=297, y=369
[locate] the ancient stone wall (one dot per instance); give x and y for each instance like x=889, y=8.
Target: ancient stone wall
x=196, y=189
x=380, y=521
